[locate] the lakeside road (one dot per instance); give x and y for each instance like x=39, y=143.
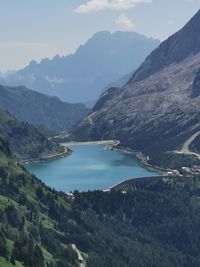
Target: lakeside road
x=48, y=157
x=52, y=156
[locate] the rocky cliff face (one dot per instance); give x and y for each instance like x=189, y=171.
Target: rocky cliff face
x=155, y=111
x=196, y=85
x=176, y=48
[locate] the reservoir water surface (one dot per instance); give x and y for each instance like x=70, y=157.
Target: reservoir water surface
x=89, y=167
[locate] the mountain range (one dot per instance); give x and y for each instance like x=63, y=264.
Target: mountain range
x=81, y=77
x=158, y=109
x=41, y=110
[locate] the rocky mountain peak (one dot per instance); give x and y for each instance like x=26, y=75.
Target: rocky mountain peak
x=176, y=48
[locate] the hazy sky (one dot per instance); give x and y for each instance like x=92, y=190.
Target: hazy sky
x=34, y=29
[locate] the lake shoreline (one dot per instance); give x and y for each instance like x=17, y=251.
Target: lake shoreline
x=113, y=145
x=141, y=157
x=103, y=142
x=67, y=151
x=95, y=166
x=144, y=161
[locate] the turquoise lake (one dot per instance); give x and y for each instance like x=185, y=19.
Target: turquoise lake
x=89, y=167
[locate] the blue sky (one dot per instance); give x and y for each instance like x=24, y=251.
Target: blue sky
x=34, y=29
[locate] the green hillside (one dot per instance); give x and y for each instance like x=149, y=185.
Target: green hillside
x=25, y=140
x=156, y=225
x=41, y=110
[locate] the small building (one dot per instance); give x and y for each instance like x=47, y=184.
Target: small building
x=70, y=196
x=173, y=173
x=195, y=169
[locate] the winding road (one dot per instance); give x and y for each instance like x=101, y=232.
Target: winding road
x=186, y=146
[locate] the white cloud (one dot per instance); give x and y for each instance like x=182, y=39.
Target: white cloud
x=100, y=5
x=125, y=23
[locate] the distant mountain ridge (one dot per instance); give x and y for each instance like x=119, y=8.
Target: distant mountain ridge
x=158, y=109
x=120, y=82
x=82, y=76
x=41, y=110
